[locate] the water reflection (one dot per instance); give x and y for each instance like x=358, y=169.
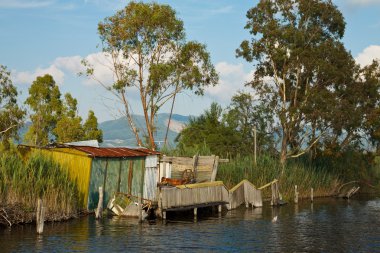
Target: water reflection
x=326, y=225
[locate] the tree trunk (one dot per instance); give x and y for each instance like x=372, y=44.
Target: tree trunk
x=131, y=122
x=284, y=147
x=170, y=117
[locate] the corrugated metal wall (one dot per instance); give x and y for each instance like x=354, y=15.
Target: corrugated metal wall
x=79, y=169
x=115, y=174
x=151, y=177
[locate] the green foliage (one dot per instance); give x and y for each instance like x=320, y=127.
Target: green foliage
x=187, y=151
x=208, y=129
x=45, y=102
x=230, y=133
x=11, y=115
x=147, y=44
x=39, y=176
x=69, y=125
x=243, y=115
x=297, y=45
x=54, y=117
x=91, y=130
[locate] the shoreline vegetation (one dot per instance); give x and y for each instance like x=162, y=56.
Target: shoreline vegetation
x=325, y=175
x=23, y=182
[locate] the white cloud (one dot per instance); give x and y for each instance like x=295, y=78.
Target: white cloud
x=71, y=65
x=363, y=2
x=27, y=77
x=232, y=78
x=25, y=4
x=368, y=55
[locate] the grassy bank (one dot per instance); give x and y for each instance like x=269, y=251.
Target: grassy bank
x=23, y=182
x=323, y=182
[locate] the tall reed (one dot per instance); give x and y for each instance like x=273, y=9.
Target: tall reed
x=268, y=168
x=23, y=182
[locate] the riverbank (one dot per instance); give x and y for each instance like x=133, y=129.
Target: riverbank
x=324, y=181
x=22, y=183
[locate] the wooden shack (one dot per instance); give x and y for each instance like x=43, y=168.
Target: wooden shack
x=132, y=171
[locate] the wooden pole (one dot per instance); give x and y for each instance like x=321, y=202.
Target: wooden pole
x=99, y=210
x=140, y=208
x=275, y=193
x=195, y=213
x=255, y=145
x=40, y=216
x=312, y=195
x=295, y=194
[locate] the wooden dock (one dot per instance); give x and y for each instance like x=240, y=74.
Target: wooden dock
x=194, y=196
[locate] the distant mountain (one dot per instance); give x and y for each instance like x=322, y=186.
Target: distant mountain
x=117, y=132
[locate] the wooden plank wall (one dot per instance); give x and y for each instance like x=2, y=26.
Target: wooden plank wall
x=177, y=197
x=205, y=166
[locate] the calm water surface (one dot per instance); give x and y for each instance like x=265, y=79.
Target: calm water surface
x=328, y=225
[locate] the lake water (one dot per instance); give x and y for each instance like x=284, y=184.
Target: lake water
x=327, y=225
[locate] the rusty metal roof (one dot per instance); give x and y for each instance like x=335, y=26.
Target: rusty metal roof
x=115, y=152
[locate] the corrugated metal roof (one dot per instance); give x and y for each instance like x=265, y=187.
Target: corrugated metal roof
x=103, y=151
x=115, y=152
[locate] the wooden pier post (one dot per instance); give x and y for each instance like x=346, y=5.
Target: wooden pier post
x=99, y=210
x=219, y=208
x=164, y=215
x=295, y=194
x=275, y=194
x=140, y=208
x=40, y=216
x=195, y=213
x=312, y=195
x=255, y=145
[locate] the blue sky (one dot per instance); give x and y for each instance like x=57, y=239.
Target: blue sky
x=51, y=36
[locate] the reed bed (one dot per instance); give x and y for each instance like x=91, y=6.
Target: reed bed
x=268, y=168
x=23, y=182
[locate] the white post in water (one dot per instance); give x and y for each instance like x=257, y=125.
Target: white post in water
x=295, y=194
x=99, y=210
x=255, y=145
x=312, y=195
x=40, y=216
x=195, y=213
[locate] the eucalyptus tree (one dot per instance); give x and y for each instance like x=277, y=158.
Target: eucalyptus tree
x=45, y=103
x=150, y=54
x=69, y=125
x=90, y=127
x=300, y=64
x=11, y=115
x=244, y=114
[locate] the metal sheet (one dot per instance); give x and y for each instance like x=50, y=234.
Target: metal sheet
x=114, y=152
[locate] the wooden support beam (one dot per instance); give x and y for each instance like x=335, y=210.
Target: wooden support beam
x=40, y=216
x=312, y=195
x=99, y=210
x=296, y=194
